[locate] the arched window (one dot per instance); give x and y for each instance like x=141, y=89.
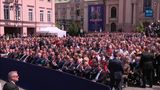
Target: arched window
x=113, y=12
x=113, y=27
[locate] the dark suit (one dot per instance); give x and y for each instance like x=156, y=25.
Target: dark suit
x=11, y=55
x=10, y=86
x=116, y=70
x=93, y=72
x=146, y=65
x=157, y=64
x=102, y=77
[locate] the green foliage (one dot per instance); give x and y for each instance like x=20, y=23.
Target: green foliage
x=140, y=28
x=73, y=29
x=58, y=25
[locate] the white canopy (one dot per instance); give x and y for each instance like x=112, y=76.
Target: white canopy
x=53, y=30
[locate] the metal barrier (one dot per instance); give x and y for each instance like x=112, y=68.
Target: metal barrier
x=38, y=78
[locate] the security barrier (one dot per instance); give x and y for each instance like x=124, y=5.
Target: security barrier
x=38, y=78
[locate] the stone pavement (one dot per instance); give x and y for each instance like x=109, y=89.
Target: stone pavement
x=136, y=88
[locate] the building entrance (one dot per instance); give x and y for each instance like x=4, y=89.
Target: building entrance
x=30, y=31
x=12, y=31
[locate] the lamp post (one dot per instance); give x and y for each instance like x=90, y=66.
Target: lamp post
x=15, y=7
x=81, y=25
x=16, y=10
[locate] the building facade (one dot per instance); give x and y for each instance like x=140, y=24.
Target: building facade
x=25, y=17
x=125, y=15
x=118, y=15
x=68, y=11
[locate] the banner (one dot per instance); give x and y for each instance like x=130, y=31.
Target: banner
x=96, y=18
x=148, y=12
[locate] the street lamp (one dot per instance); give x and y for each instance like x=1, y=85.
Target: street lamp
x=17, y=13
x=81, y=24
x=15, y=7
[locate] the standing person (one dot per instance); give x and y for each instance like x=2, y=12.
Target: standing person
x=12, y=79
x=158, y=67
x=116, y=69
x=146, y=65
x=126, y=69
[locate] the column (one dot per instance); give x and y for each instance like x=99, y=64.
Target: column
x=155, y=6
x=121, y=14
x=37, y=29
x=53, y=13
x=158, y=12
x=85, y=19
x=121, y=11
x=107, y=17
x=128, y=12
x=1, y=30
x=134, y=14
x=24, y=31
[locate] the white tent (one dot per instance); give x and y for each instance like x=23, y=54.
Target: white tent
x=53, y=30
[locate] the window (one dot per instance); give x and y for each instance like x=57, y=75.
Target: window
x=18, y=15
x=147, y=4
x=113, y=12
x=6, y=12
x=41, y=15
x=30, y=14
x=49, y=16
x=77, y=0
x=78, y=12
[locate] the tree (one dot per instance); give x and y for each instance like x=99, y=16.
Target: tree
x=140, y=28
x=73, y=29
x=58, y=24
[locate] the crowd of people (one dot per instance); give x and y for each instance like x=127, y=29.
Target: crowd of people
x=153, y=29
x=100, y=57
